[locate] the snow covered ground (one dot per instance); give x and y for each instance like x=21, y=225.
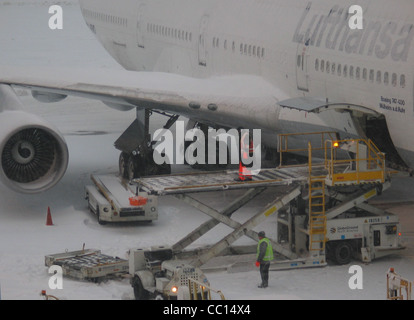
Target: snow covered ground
x=90, y=129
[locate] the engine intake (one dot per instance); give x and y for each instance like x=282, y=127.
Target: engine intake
x=34, y=155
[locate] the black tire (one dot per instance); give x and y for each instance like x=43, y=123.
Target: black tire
x=123, y=164
x=131, y=168
x=139, y=292
x=342, y=253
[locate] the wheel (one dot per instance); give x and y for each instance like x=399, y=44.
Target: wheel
x=139, y=292
x=342, y=253
x=131, y=169
x=123, y=164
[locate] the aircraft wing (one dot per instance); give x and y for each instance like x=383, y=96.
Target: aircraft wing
x=216, y=100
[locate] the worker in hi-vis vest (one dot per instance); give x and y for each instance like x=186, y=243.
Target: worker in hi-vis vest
x=263, y=258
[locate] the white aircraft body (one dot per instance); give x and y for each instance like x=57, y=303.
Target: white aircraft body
x=276, y=65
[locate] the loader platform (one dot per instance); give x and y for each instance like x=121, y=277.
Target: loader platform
x=306, y=200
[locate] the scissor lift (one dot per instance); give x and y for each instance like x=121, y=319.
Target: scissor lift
x=314, y=183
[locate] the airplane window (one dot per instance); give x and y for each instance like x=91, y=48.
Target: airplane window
x=254, y=50
x=339, y=69
x=250, y=50
x=317, y=64
x=358, y=73
x=351, y=72
x=322, y=65
x=402, y=81
x=225, y=44
x=345, y=71
x=263, y=52
x=379, y=77
x=233, y=46
x=394, y=79
x=190, y=37
x=241, y=48
x=333, y=68
x=245, y=49
x=386, y=78
x=371, y=75
x=328, y=67
x=258, y=51
x=364, y=73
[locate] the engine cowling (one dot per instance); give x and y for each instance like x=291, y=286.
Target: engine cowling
x=33, y=154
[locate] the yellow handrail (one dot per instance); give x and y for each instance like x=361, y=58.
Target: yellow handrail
x=362, y=168
x=374, y=160
x=283, y=145
x=395, y=286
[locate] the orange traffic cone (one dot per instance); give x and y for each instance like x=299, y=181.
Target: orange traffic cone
x=49, y=221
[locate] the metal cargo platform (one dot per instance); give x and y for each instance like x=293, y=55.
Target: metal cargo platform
x=222, y=180
x=88, y=264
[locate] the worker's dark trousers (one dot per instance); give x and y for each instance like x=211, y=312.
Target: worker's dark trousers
x=264, y=272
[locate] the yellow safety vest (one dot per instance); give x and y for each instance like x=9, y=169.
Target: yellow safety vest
x=269, y=250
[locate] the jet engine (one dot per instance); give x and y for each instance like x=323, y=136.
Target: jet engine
x=34, y=155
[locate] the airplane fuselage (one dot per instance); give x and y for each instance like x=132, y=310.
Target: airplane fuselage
x=302, y=48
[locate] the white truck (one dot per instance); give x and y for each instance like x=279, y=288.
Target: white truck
x=156, y=275
x=354, y=229
x=113, y=200
x=365, y=237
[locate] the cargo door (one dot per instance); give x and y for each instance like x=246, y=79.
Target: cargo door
x=302, y=61
x=202, y=41
x=141, y=25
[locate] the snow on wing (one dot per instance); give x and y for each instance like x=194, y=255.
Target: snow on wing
x=192, y=97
